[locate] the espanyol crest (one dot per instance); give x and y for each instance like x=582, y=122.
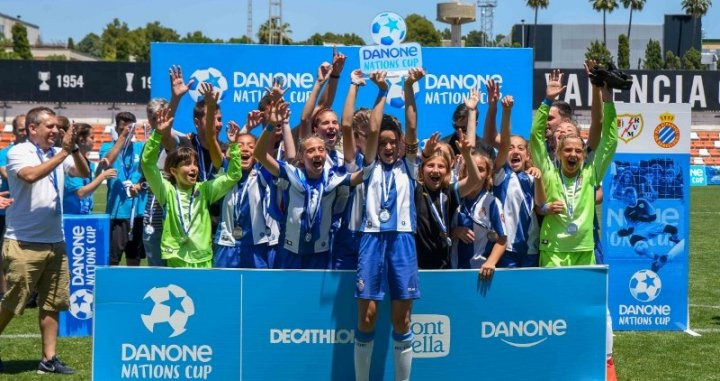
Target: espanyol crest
x=629, y=126
x=212, y=76
x=388, y=28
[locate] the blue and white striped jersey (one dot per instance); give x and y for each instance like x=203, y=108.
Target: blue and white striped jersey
x=390, y=189
x=516, y=192
x=305, y=210
x=482, y=214
x=253, y=218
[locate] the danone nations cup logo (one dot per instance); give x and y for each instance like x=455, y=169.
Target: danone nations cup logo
x=667, y=134
x=629, y=126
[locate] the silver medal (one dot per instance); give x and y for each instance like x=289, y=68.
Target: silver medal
x=308, y=237
x=237, y=232
x=149, y=229
x=492, y=236
x=572, y=229
x=384, y=215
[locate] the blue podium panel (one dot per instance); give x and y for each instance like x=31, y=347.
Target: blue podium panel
x=300, y=325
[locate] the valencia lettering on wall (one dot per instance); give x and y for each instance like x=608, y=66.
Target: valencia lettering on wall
x=73, y=81
x=699, y=88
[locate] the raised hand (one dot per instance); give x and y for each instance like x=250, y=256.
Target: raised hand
x=589, y=66
x=209, y=94
x=414, y=75
x=275, y=113
x=358, y=77
x=378, y=77
x=554, y=85
x=431, y=144
x=493, y=89
x=109, y=173
x=463, y=143
x=68, y=141
x=534, y=172
x=324, y=71
x=338, y=61
x=277, y=91
x=233, y=130
x=507, y=102
x=472, y=99
x=163, y=120
x=177, y=83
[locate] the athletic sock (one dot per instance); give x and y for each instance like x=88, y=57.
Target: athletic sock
x=363, y=354
x=402, y=355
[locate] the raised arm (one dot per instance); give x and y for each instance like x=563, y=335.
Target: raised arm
x=507, y=105
x=356, y=80
x=490, y=130
x=109, y=159
x=328, y=95
x=596, y=114
x=178, y=88
x=324, y=72
x=376, y=115
x=608, y=141
x=31, y=174
x=82, y=166
x=411, y=139
x=220, y=185
x=274, y=115
x=472, y=182
x=88, y=189
x=148, y=161
x=471, y=103
x=538, y=150
x=210, y=135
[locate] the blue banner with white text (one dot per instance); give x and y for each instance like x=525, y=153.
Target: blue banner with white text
x=242, y=72
x=300, y=325
x=87, y=238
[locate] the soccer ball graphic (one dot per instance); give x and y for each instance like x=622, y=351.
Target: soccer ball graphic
x=388, y=28
x=81, y=302
x=645, y=286
x=173, y=306
x=210, y=75
x=396, y=97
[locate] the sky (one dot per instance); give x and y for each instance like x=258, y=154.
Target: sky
x=60, y=19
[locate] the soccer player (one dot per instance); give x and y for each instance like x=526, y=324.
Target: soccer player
x=388, y=257
x=186, y=238
x=642, y=225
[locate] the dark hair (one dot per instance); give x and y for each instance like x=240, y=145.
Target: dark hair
x=316, y=117
x=155, y=105
x=358, y=125
x=124, y=117
x=63, y=122
x=391, y=123
x=82, y=130
x=16, y=122
x=36, y=115
x=563, y=108
x=199, y=109
x=178, y=157
x=264, y=101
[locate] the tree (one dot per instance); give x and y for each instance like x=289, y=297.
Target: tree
x=696, y=9
x=332, y=38
x=21, y=45
x=91, y=44
x=197, y=36
x=536, y=5
x=692, y=60
x=653, y=56
x=446, y=34
x=113, y=32
x=633, y=5
x=499, y=38
x=604, y=6
x=672, y=62
x=71, y=43
x=141, y=38
x=421, y=30
x=599, y=52
x=240, y=40
x=56, y=57
x=284, y=34
x=475, y=38
x=623, y=57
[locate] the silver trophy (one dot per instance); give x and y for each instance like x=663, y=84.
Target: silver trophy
x=129, y=77
x=44, y=76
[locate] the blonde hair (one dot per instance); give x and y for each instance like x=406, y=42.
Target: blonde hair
x=488, y=184
x=437, y=155
x=562, y=141
x=299, y=160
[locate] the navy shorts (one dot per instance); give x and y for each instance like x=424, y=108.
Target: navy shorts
x=387, y=261
x=243, y=257
x=288, y=260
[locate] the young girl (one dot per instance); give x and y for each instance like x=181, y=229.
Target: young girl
x=387, y=258
x=479, y=234
x=436, y=197
x=186, y=238
x=244, y=232
x=308, y=194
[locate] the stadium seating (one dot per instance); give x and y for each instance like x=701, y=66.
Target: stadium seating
x=705, y=147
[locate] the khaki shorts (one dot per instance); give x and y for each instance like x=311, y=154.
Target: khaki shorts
x=35, y=266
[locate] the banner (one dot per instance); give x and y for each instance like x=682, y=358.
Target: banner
x=646, y=209
x=88, y=246
x=300, y=325
x=242, y=72
x=712, y=174
x=698, y=177
x=698, y=88
x=75, y=81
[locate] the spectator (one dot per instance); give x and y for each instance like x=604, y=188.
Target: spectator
x=34, y=250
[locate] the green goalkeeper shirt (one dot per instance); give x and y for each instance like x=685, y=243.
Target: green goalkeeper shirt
x=554, y=236
x=196, y=245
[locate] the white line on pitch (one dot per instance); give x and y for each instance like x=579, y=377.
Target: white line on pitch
x=21, y=336
x=704, y=306
x=709, y=212
x=707, y=330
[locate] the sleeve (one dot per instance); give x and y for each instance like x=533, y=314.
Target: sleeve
x=538, y=150
x=496, y=217
x=148, y=162
x=104, y=149
x=17, y=159
x=69, y=162
x=216, y=188
x=608, y=143
x=413, y=166
x=501, y=175
x=3, y=156
x=368, y=170
x=72, y=184
x=289, y=174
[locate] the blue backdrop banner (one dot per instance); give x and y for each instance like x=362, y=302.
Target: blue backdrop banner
x=87, y=238
x=242, y=72
x=646, y=208
x=300, y=325
x=698, y=176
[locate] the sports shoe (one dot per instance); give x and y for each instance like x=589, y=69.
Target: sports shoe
x=54, y=365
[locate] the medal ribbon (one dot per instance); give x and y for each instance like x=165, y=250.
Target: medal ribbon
x=201, y=159
x=186, y=229
x=386, y=185
x=313, y=210
x=438, y=217
x=239, y=198
x=52, y=175
x=570, y=205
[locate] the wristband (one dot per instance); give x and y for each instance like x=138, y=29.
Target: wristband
x=75, y=149
x=544, y=209
x=336, y=76
x=382, y=93
x=548, y=102
x=355, y=83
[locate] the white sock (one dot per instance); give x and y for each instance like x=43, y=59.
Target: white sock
x=363, y=355
x=608, y=335
x=402, y=355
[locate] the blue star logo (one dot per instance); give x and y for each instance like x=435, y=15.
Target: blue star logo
x=80, y=300
x=392, y=24
x=213, y=80
x=174, y=303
